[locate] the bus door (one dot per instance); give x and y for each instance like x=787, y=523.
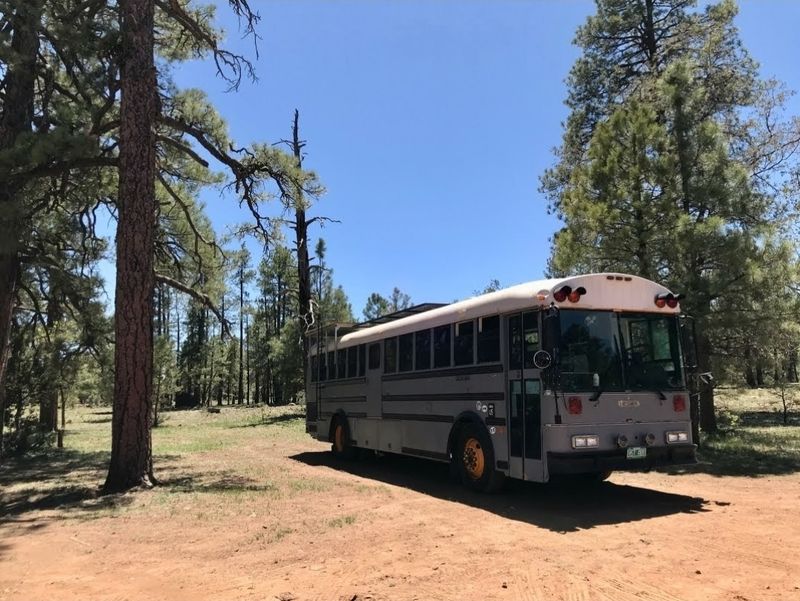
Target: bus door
x=524, y=411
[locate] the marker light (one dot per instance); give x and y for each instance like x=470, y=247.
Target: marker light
x=576, y=294
x=679, y=403
x=677, y=437
x=668, y=299
x=585, y=441
x=574, y=405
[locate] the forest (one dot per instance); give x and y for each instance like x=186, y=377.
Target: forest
x=678, y=163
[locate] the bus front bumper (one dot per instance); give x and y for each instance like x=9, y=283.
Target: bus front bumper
x=616, y=460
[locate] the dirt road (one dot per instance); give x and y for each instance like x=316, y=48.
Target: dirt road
x=274, y=517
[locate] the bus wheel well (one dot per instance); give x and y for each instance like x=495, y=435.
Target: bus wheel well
x=338, y=416
x=468, y=417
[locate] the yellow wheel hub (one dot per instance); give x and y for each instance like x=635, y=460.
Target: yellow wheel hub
x=338, y=438
x=474, y=460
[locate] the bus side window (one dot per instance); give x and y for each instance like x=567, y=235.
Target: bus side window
x=352, y=362
x=441, y=346
x=489, y=339
x=341, y=363
x=406, y=352
x=375, y=356
x=463, y=349
x=331, y=365
x=362, y=360
x=422, y=349
x=314, y=368
x=323, y=368
x=390, y=355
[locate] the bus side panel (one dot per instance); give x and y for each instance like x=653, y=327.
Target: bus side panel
x=426, y=439
x=390, y=437
x=365, y=432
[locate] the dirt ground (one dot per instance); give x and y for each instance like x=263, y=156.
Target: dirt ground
x=251, y=508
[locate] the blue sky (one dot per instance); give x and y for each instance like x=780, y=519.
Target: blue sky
x=429, y=123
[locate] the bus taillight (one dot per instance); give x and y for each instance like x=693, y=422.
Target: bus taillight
x=574, y=405
x=679, y=403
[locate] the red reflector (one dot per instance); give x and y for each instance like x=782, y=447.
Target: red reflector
x=561, y=294
x=574, y=296
x=574, y=405
x=672, y=303
x=679, y=403
x=661, y=303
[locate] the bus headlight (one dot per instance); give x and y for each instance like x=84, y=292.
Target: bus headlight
x=585, y=441
x=677, y=437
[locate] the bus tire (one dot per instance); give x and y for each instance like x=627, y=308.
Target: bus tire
x=475, y=459
x=341, y=442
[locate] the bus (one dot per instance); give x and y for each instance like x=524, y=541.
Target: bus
x=580, y=375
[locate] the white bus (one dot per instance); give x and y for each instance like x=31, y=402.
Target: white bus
x=580, y=375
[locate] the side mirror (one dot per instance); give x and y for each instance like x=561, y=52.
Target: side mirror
x=688, y=342
x=542, y=359
x=552, y=330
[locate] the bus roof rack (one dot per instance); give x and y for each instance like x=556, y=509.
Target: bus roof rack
x=422, y=308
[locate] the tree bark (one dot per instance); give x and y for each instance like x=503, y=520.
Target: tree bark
x=16, y=119
x=48, y=404
x=301, y=242
x=131, y=453
x=708, y=416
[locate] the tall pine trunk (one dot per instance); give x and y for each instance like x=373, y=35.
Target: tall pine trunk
x=131, y=453
x=301, y=242
x=15, y=120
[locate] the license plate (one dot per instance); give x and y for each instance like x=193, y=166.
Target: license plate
x=637, y=452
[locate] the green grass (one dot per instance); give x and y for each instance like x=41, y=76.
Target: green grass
x=341, y=522
x=752, y=440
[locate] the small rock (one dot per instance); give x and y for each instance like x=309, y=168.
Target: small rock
x=698, y=572
x=286, y=597
x=505, y=585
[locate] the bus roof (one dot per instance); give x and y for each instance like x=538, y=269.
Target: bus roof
x=603, y=291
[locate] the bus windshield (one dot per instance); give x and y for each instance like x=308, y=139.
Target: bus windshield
x=620, y=351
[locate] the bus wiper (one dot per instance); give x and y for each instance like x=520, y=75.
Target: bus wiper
x=596, y=395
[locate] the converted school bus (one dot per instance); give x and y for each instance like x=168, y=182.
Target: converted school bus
x=580, y=375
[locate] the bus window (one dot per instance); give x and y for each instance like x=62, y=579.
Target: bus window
x=390, y=354
x=489, y=339
x=323, y=368
x=341, y=363
x=374, y=356
x=530, y=324
x=441, y=346
x=314, y=368
x=422, y=349
x=463, y=353
x=406, y=352
x=352, y=362
x=515, y=342
x=331, y=365
x=362, y=360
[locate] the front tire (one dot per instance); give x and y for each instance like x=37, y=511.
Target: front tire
x=475, y=461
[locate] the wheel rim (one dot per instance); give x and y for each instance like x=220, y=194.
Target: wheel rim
x=338, y=437
x=474, y=459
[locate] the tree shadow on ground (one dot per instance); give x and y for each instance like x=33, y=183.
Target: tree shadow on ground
x=561, y=507
x=271, y=420
x=67, y=480
x=227, y=482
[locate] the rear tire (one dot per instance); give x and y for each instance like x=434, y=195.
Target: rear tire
x=341, y=443
x=474, y=460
